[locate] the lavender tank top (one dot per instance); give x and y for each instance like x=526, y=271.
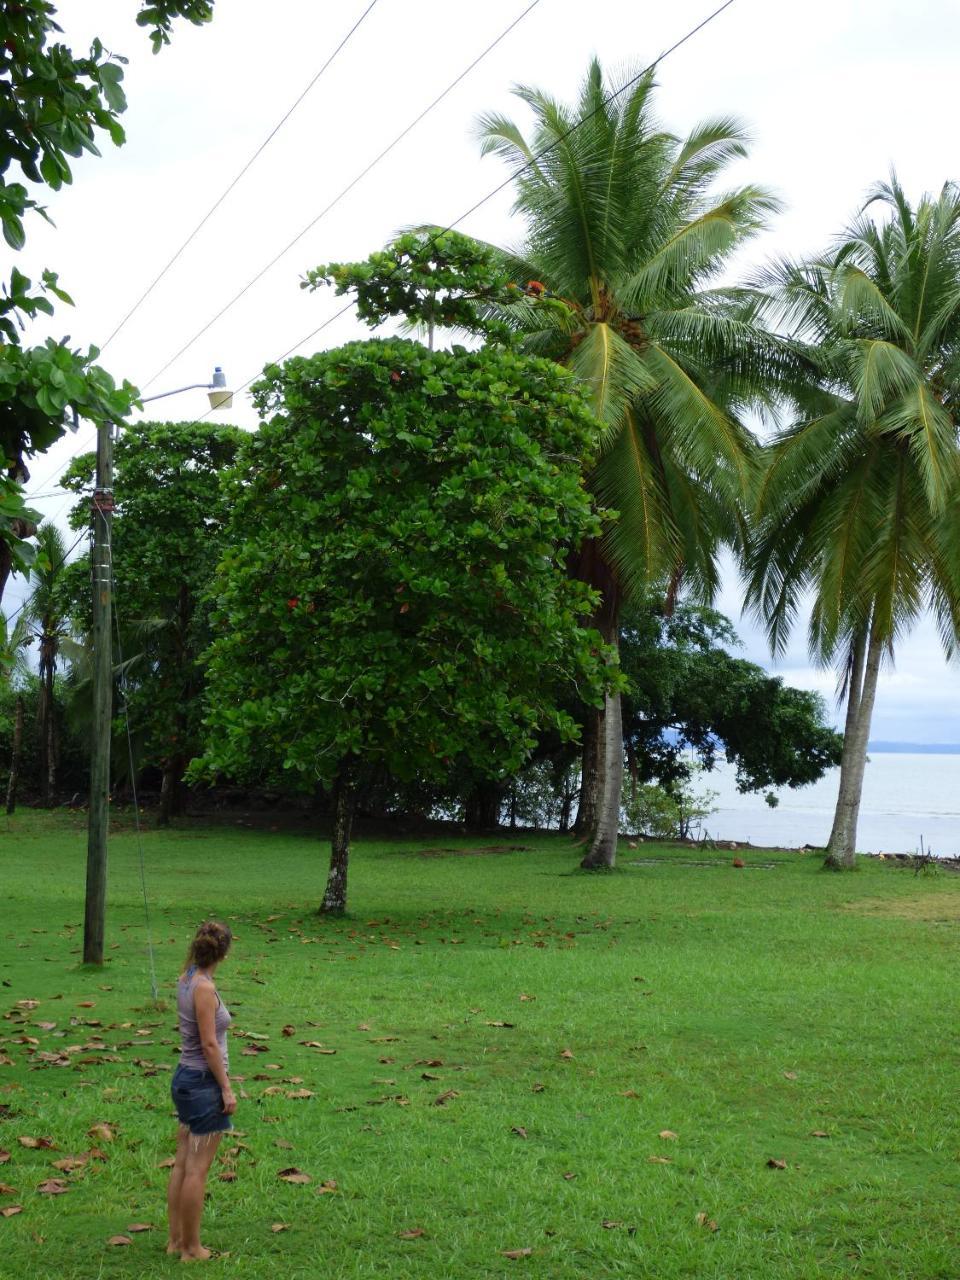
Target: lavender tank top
x=191, y=1052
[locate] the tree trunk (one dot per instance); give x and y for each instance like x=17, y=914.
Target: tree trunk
x=603, y=847
x=482, y=806
x=171, y=791
x=591, y=775
x=15, y=757
x=865, y=670
x=50, y=739
x=335, y=899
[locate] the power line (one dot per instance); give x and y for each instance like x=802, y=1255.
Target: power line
x=346, y=190
x=256, y=155
x=535, y=159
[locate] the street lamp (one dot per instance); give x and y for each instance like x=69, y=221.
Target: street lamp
x=101, y=562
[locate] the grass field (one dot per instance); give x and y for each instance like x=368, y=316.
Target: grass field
x=595, y=1069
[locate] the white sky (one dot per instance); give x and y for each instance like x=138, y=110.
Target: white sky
x=834, y=91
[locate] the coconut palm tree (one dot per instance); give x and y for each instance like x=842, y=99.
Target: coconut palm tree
x=624, y=226
x=859, y=500
x=14, y=640
x=47, y=618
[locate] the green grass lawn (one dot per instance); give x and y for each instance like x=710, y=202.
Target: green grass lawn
x=622, y=1055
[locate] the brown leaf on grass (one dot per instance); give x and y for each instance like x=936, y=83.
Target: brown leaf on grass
x=34, y=1144
x=251, y=1050
x=427, y=1075
x=569, y=1177
x=500, y=1024
x=704, y=1220
x=280, y=1226
x=776, y=1164
x=819, y=1133
x=364, y=1026
x=315, y=1044
x=566, y=1054
x=519, y=1130
x=96, y=1154
x=516, y=1253
x=70, y=1163
x=610, y=1224
x=293, y=1175
x=139, y=1226
x=168, y=1163
x=659, y=1160
x=789, y=1075
x=524, y=997
x=442, y=1099
x=119, y=1240
x=282, y=1142
x=422, y=1062
x=228, y=1175
x=538, y=1087
x=4, y=1157
x=384, y=1039
x=667, y=1134
x=27, y=1004
x=288, y=1030
x=9, y=1210
x=46, y=1026
x=86, y=1004
x=415, y=1233
x=53, y=1187
x=326, y=1188
x=7, y=1190
x=300, y=1093
x=272, y=1091
x=103, y=1132
x=629, y=1093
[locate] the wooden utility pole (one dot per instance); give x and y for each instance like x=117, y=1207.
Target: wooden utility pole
x=102, y=572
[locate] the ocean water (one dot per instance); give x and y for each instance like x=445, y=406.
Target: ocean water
x=904, y=797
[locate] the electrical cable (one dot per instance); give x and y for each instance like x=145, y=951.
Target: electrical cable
x=345, y=191
x=535, y=159
x=256, y=155
x=122, y=685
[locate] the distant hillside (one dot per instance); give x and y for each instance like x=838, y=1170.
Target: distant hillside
x=917, y=748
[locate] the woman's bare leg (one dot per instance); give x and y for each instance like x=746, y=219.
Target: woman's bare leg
x=200, y=1152
x=174, y=1188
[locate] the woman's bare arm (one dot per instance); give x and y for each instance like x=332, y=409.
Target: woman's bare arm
x=205, y=1005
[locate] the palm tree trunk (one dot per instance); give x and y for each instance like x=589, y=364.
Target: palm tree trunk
x=842, y=847
x=335, y=898
x=51, y=741
x=591, y=773
x=603, y=846
x=15, y=756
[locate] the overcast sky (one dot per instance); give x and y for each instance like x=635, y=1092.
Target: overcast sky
x=833, y=91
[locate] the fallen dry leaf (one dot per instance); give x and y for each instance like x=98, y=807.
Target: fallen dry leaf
x=703, y=1220
x=569, y=1177
x=4, y=1157
x=524, y=997
x=442, y=1099
x=168, y=1163
x=776, y=1164
x=630, y=1093
x=9, y=1210
x=34, y=1143
x=519, y=1130
x=282, y=1142
x=789, y=1075
x=666, y=1134
x=86, y=1004
x=300, y=1093
x=609, y=1224
x=119, y=1240
x=659, y=1160
x=53, y=1187
x=538, y=1087
x=414, y=1233
x=27, y=1004
x=819, y=1133
x=228, y=1175
x=287, y=1031
x=566, y=1054
x=500, y=1024
x=420, y=1062
x=140, y=1226
x=293, y=1175
x=516, y=1253
x=325, y=1188
x=103, y=1131
x=7, y=1190
x=280, y=1226
x=70, y=1163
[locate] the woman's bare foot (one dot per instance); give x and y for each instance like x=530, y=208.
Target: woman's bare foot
x=173, y=1246
x=200, y=1254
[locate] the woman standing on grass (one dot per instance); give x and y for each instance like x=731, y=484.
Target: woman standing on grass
x=201, y=1089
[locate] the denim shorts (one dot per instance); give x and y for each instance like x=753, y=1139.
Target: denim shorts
x=199, y=1101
